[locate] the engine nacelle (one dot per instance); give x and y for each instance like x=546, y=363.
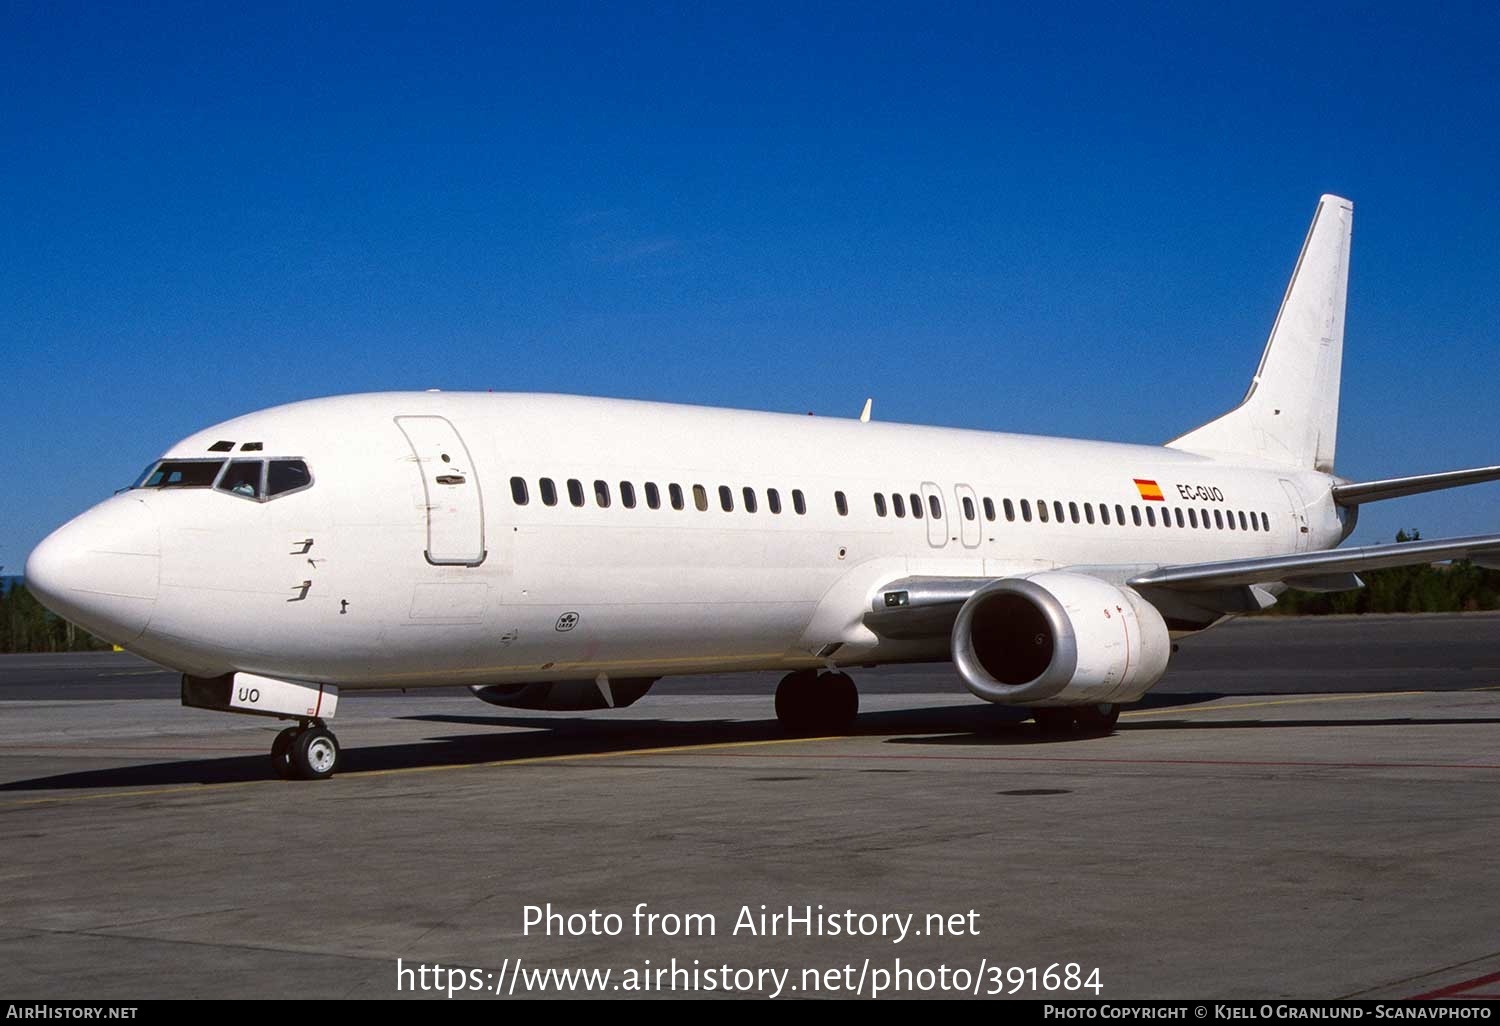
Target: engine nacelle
x=1056, y=638
x=566, y=695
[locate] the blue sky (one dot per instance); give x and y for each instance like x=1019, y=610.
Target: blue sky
x=1062, y=219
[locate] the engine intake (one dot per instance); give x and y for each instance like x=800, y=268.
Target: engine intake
x=1058, y=638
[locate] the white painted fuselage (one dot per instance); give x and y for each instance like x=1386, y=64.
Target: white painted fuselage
x=377, y=575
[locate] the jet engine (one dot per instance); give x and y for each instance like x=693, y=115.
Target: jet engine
x=1058, y=638
x=566, y=695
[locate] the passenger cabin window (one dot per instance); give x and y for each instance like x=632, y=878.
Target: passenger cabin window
x=181, y=474
x=1265, y=522
x=601, y=494
x=750, y=504
x=1193, y=517
x=799, y=502
x=1041, y=510
x=627, y=495
x=968, y=508
x=549, y=492
x=1057, y=508
x=1135, y=515
x=1242, y=521
x=700, y=498
x=916, y=506
x=726, y=498
x=1119, y=514
x=653, y=495
x=879, y=505
x=1103, y=514
x=1150, y=517
x=1010, y=511
x=518, y=491
x=898, y=505
x=989, y=509
x=935, y=507
x=1219, y=519
x=773, y=500
x=1025, y=510
x=575, y=491
x=841, y=504
x=242, y=478
x=674, y=491
x=1088, y=512
x=1072, y=512
x=1178, y=515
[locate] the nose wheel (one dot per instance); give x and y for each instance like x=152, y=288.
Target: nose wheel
x=808, y=702
x=306, y=752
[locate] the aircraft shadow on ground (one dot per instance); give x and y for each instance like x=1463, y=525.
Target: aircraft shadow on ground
x=538, y=737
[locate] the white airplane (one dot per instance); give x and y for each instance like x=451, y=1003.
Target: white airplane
x=557, y=552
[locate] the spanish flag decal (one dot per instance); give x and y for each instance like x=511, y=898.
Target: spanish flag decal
x=1150, y=490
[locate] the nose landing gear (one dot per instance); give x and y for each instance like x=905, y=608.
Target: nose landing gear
x=308, y=751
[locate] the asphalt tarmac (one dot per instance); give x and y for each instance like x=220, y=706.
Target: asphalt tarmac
x=1303, y=808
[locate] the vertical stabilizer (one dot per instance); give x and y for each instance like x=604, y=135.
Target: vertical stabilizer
x=1290, y=415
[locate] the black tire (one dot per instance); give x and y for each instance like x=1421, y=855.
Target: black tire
x=794, y=701
x=1055, y=719
x=281, y=753
x=1098, y=719
x=315, y=754
x=840, y=702
x=809, y=703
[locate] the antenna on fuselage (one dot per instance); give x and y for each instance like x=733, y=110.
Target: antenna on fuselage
x=864, y=415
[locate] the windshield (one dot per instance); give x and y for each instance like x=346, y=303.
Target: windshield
x=181, y=474
x=250, y=479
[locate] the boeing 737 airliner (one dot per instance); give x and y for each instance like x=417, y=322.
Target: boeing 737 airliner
x=556, y=552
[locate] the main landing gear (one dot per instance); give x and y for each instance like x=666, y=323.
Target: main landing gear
x=308, y=751
x=1077, y=719
x=809, y=702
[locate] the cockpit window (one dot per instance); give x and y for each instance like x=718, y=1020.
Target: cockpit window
x=287, y=476
x=253, y=479
x=181, y=474
x=242, y=478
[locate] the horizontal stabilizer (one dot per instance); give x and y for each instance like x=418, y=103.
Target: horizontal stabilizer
x=1483, y=549
x=1396, y=487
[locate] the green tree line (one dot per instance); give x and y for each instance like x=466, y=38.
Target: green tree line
x=27, y=626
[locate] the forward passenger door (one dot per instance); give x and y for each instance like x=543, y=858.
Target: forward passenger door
x=455, y=509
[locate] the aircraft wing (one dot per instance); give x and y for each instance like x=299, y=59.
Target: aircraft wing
x=920, y=607
x=1483, y=549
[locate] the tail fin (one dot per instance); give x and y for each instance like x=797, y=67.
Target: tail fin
x=1290, y=415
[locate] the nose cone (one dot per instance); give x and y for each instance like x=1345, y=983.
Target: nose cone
x=101, y=570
